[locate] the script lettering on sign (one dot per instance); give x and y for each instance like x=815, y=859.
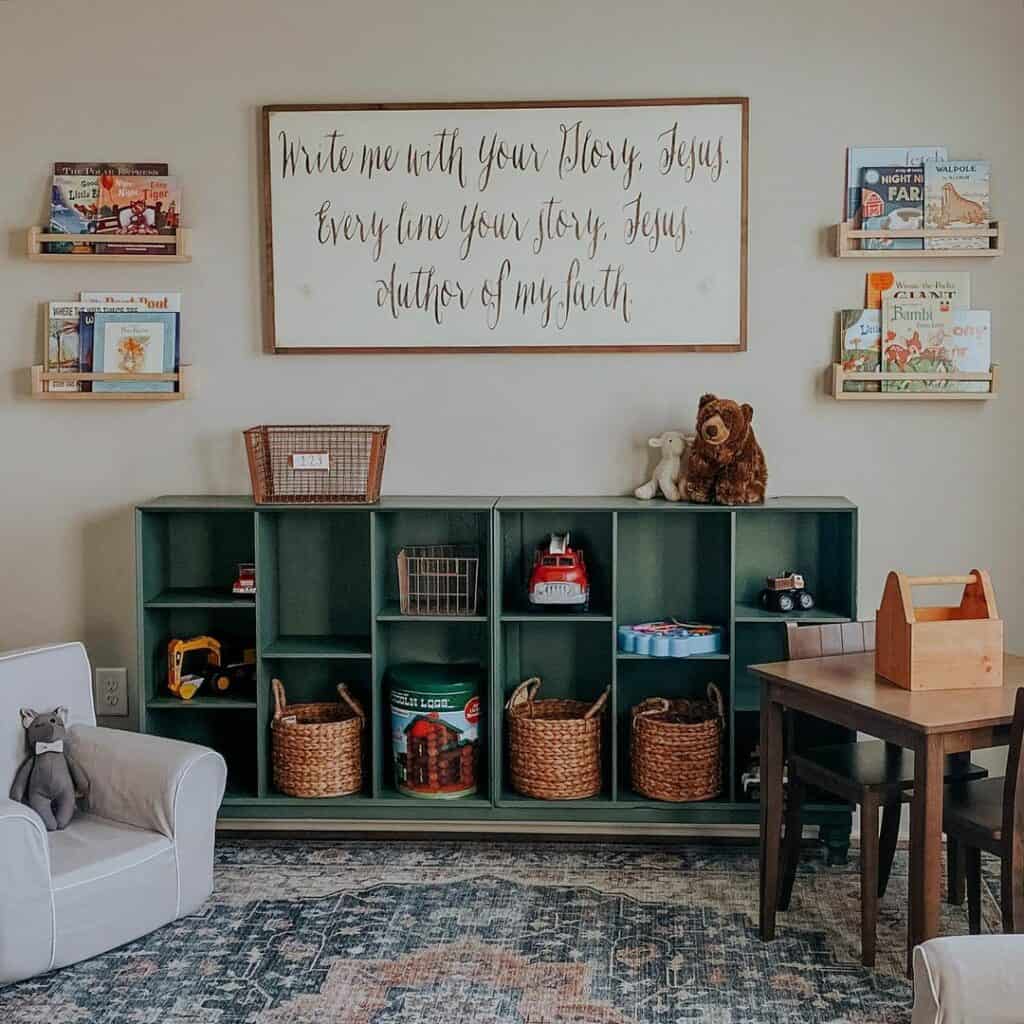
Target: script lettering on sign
x=513, y=227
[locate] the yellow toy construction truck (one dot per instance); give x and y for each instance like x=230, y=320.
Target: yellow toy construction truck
x=185, y=684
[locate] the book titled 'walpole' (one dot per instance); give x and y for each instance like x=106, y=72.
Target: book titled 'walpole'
x=956, y=195
x=136, y=343
x=892, y=199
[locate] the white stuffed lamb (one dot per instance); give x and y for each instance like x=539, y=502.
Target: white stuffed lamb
x=669, y=471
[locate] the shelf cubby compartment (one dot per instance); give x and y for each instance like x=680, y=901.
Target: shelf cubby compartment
x=672, y=678
x=311, y=680
x=837, y=378
x=233, y=627
x=313, y=583
x=848, y=239
x=820, y=543
x=36, y=238
x=467, y=524
x=188, y=557
x=232, y=733
x=573, y=660
x=674, y=562
x=523, y=525
x=435, y=641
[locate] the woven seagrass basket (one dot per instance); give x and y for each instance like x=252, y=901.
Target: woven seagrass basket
x=676, y=753
x=554, y=745
x=317, y=749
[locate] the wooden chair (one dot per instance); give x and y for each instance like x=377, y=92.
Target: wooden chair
x=988, y=814
x=874, y=775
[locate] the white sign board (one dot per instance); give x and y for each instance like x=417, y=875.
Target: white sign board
x=548, y=227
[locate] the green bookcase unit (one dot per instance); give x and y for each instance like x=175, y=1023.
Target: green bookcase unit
x=327, y=610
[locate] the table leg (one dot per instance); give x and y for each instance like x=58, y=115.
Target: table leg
x=925, y=845
x=771, y=811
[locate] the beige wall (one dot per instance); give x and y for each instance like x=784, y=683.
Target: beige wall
x=939, y=484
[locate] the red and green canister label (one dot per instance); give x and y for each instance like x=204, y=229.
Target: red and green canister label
x=435, y=718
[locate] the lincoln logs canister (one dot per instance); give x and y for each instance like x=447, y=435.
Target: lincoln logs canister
x=435, y=717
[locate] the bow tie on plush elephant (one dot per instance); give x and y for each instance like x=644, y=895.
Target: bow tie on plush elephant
x=48, y=777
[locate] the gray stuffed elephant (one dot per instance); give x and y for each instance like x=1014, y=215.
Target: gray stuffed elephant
x=49, y=776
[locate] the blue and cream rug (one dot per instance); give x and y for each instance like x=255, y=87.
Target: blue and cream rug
x=497, y=933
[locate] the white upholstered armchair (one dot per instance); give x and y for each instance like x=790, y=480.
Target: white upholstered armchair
x=139, y=857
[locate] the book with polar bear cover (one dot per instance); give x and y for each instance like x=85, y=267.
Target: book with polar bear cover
x=892, y=199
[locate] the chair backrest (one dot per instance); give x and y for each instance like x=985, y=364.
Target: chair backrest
x=1013, y=787
x=829, y=638
x=42, y=678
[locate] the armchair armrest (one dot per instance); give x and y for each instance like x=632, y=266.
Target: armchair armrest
x=143, y=780
x=26, y=897
x=166, y=786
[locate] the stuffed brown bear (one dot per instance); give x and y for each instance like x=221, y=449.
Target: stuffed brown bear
x=726, y=463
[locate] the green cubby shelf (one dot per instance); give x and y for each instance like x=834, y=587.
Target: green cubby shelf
x=327, y=611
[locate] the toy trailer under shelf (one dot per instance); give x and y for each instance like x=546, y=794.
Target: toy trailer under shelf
x=939, y=648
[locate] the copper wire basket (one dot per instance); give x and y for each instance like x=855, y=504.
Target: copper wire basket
x=438, y=579
x=330, y=465
x=676, y=752
x=317, y=748
x=554, y=746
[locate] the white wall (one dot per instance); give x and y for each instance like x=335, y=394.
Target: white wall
x=939, y=485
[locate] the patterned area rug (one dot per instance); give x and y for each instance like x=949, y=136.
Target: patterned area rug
x=498, y=933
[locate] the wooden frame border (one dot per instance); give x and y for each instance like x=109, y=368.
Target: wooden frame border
x=267, y=232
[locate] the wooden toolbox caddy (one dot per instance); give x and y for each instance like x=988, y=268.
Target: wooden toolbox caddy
x=939, y=648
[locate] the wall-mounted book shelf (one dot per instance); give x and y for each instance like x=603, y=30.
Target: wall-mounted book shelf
x=42, y=377
x=181, y=240
x=837, y=376
x=849, y=238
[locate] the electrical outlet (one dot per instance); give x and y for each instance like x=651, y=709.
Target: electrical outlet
x=111, y=691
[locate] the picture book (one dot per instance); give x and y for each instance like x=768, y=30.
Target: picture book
x=138, y=205
x=86, y=331
x=137, y=343
x=860, y=333
x=62, y=344
x=956, y=195
x=970, y=349
x=160, y=302
x=73, y=204
x=913, y=332
x=859, y=157
x=106, y=167
x=918, y=284
x=964, y=346
x=892, y=199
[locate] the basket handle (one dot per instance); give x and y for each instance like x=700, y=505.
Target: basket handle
x=353, y=703
x=648, y=708
x=280, y=700
x=524, y=693
x=715, y=696
x=599, y=703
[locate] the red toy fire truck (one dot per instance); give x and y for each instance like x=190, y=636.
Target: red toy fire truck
x=559, y=575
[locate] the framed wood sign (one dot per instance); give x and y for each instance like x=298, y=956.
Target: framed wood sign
x=570, y=226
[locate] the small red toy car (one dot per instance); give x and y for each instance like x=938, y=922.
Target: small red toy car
x=245, y=581
x=559, y=575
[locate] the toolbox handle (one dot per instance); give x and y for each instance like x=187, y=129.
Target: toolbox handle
x=940, y=581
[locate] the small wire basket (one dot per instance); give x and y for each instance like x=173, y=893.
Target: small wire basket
x=330, y=465
x=439, y=579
